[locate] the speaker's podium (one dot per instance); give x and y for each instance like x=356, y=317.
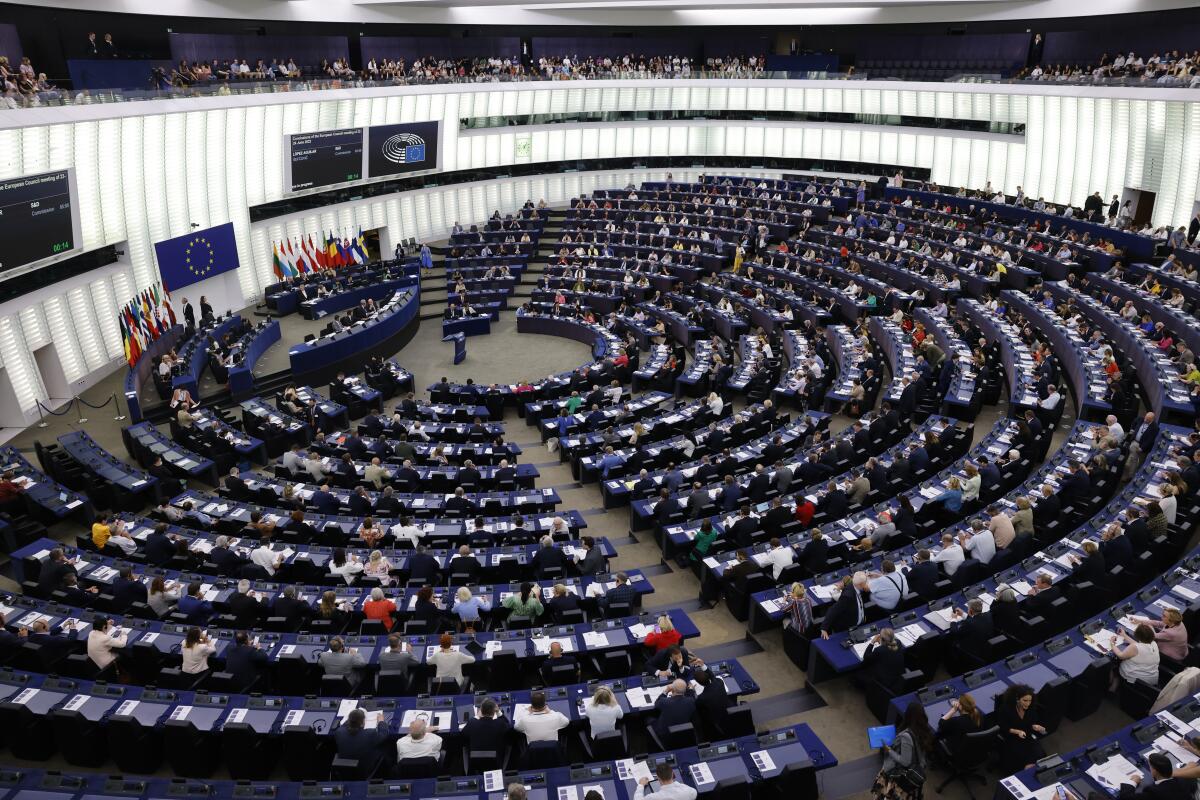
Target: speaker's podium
x=460, y=346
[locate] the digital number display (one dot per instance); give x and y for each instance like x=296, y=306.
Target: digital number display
x=36, y=218
x=323, y=158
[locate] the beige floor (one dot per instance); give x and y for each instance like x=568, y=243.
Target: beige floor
x=506, y=356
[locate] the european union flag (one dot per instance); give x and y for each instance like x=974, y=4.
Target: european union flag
x=197, y=256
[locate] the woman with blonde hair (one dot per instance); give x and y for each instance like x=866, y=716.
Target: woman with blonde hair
x=1169, y=633
x=468, y=607
x=378, y=568
x=602, y=711
x=663, y=636
x=963, y=717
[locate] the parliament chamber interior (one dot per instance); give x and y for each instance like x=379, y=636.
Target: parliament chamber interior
x=495, y=400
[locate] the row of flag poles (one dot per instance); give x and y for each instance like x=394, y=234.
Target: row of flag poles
x=143, y=319
x=299, y=256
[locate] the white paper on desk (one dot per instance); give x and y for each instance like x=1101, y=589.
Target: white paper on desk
x=909, y=634
x=181, y=712
x=762, y=759
x=860, y=649
x=639, y=630
x=1175, y=723
x=1020, y=587
x=772, y=606
x=6, y=610
x=1184, y=592
x=597, y=789
x=287, y=649
x=30, y=618
x=293, y=717
x=823, y=592
x=1016, y=788
x=595, y=639
x=1114, y=772
x=237, y=715
x=1102, y=640
x=627, y=770
x=126, y=708
x=1171, y=747
x=493, y=780
x=25, y=695
x=702, y=773
x=568, y=793
x=75, y=702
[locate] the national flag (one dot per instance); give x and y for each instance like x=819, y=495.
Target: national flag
x=148, y=315
x=276, y=264
x=344, y=256
x=332, y=249
x=125, y=339
x=318, y=255
x=360, y=247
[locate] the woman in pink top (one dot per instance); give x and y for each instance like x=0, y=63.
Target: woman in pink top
x=1170, y=634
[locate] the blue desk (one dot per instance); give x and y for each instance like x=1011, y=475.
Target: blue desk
x=328, y=353
x=467, y=326
x=138, y=375
x=145, y=442
x=107, y=467
x=49, y=499
x=241, y=377
x=195, y=354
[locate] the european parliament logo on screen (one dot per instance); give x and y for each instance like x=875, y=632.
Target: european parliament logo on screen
x=196, y=256
x=396, y=149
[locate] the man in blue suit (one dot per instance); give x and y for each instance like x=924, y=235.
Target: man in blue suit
x=325, y=502
x=731, y=494
x=675, y=706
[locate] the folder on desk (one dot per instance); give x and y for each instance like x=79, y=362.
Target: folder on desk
x=880, y=735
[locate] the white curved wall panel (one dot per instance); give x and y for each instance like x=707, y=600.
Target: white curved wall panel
x=149, y=171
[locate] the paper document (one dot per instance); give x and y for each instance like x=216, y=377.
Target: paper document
x=762, y=759
x=702, y=774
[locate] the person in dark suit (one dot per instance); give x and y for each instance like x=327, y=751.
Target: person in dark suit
x=1163, y=785
x=1115, y=546
x=884, y=661
x=548, y=559
x=488, y=732
x=465, y=563
x=908, y=398
x=387, y=505
x=731, y=494
x=849, y=610
x=158, y=547
x=245, y=606
x=561, y=601
x=593, y=561
x=127, y=590
x=53, y=571
x=423, y=566
x=834, y=504
x=360, y=503
x=1147, y=432
x=206, y=310
x=1077, y=488
x=197, y=610
x=226, y=559
x=697, y=501
x=356, y=742
x=1091, y=567
x=923, y=576
x=774, y=451
x=744, y=527
x=972, y=632
x=1048, y=507
x=918, y=459
x=760, y=484
x=235, y=487
x=675, y=706
x=325, y=501
x=816, y=554
x=989, y=473
x=245, y=661
x=739, y=571
x=505, y=474
x=776, y=517
x=459, y=504
x=189, y=314
x=1041, y=595
x=622, y=592
x=72, y=595
x=291, y=607
x=714, y=702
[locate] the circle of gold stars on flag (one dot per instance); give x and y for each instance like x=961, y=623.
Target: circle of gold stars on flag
x=201, y=262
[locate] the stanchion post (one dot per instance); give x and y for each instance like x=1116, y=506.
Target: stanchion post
x=79, y=411
x=117, y=406
x=41, y=420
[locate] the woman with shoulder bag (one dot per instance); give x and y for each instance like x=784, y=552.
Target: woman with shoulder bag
x=903, y=774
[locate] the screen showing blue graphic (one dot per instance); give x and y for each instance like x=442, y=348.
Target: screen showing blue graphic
x=397, y=149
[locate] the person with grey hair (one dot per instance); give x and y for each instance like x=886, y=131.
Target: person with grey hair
x=340, y=660
x=849, y=610
x=1005, y=612
x=245, y=606
x=549, y=561
x=516, y=791
x=421, y=742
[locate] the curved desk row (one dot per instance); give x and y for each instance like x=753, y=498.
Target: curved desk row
x=241, y=376
x=141, y=371
x=330, y=354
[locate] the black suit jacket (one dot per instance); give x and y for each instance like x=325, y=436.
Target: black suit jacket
x=759, y=486
x=843, y=614
x=245, y=608
x=158, y=549
x=1170, y=789
x=549, y=558
x=125, y=593
x=972, y=633
x=487, y=734
x=674, y=710
x=244, y=663
x=923, y=578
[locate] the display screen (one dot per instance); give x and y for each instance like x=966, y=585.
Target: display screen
x=397, y=149
x=38, y=218
x=323, y=158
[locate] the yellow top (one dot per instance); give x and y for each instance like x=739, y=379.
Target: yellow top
x=101, y=533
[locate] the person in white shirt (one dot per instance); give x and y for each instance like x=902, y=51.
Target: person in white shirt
x=539, y=723
x=668, y=787
x=419, y=743
x=1051, y=401
x=293, y=460
x=1114, y=429
x=981, y=544
x=779, y=558
x=951, y=555
x=406, y=530
x=602, y=711
x=195, y=652
x=101, y=642
x=266, y=558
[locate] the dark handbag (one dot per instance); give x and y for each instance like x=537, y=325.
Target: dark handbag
x=909, y=779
